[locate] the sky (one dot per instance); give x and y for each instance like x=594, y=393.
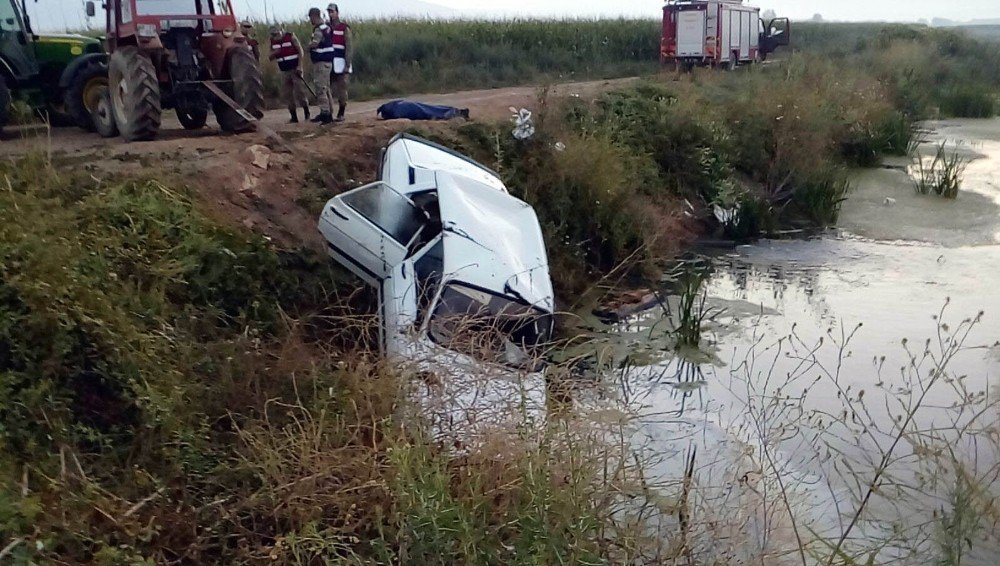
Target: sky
x=57, y=15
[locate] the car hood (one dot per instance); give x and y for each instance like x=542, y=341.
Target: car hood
x=493, y=241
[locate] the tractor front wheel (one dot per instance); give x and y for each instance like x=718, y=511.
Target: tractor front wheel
x=103, y=115
x=84, y=92
x=193, y=118
x=247, y=90
x=135, y=94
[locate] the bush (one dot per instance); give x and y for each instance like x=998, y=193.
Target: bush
x=820, y=197
x=867, y=143
x=124, y=316
x=942, y=175
x=969, y=101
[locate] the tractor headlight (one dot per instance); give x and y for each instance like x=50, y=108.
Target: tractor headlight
x=146, y=30
x=228, y=32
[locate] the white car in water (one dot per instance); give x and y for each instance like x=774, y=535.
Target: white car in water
x=459, y=265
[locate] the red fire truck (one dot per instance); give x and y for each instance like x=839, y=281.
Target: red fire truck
x=718, y=33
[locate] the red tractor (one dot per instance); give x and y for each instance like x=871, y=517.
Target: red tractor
x=188, y=55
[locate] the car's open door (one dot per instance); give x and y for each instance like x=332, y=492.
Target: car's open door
x=370, y=230
x=777, y=33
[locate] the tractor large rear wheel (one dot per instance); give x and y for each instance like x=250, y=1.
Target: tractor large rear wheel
x=5, y=103
x=246, y=89
x=84, y=93
x=135, y=94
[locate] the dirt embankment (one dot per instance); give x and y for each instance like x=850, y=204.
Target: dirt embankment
x=281, y=195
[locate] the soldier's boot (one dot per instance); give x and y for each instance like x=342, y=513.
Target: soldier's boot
x=295, y=117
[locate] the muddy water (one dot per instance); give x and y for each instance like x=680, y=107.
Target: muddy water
x=816, y=347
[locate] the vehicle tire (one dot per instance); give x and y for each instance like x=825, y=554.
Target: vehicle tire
x=135, y=94
x=246, y=89
x=6, y=100
x=103, y=115
x=81, y=98
x=193, y=118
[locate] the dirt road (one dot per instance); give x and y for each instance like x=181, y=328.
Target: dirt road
x=280, y=197
x=490, y=104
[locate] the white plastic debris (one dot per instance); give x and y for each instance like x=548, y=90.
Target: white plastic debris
x=560, y=146
x=524, y=127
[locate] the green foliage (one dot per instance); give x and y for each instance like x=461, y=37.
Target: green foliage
x=692, y=312
x=536, y=510
x=116, y=303
x=969, y=101
x=941, y=175
x=959, y=524
x=820, y=197
x=867, y=143
x=404, y=57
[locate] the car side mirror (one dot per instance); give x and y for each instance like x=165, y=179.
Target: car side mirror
x=91, y=10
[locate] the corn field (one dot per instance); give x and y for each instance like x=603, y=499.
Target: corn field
x=414, y=56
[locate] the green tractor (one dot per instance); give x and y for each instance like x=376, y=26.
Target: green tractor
x=62, y=76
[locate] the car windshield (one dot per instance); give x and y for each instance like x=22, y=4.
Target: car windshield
x=181, y=7
x=489, y=327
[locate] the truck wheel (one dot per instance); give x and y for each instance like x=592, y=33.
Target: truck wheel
x=5, y=103
x=247, y=90
x=103, y=115
x=193, y=119
x=135, y=94
x=81, y=98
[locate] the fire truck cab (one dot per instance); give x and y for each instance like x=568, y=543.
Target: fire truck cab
x=715, y=33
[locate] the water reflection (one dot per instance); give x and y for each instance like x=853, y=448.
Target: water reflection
x=816, y=351
x=686, y=380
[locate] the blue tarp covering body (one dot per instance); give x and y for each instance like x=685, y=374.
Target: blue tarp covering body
x=410, y=110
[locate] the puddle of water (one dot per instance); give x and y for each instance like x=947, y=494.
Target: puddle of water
x=890, y=269
x=885, y=206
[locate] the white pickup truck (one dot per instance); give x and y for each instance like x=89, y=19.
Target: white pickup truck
x=459, y=264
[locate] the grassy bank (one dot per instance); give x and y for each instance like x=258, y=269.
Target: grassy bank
x=175, y=391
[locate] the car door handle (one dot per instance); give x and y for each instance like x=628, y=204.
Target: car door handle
x=339, y=213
